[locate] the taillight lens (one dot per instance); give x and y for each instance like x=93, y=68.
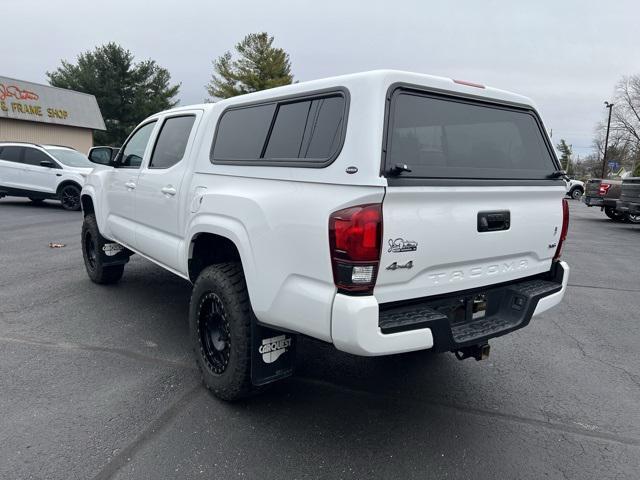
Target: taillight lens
x=355, y=237
x=604, y=188
x=565, y=228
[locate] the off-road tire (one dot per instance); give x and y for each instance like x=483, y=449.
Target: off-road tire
x=69, y=196
x=225, y=285
x=613, y=214
x=92, y=243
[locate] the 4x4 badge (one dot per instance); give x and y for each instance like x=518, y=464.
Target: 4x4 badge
x=395, y=265
x=402, y=245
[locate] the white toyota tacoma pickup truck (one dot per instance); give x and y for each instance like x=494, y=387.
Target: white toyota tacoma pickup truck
x=382, y=212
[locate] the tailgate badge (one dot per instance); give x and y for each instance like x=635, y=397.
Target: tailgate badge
x=396, y=265
x=401, y=245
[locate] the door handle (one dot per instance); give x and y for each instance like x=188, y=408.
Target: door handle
x=494, y=221
x=169, y=190
x=130, y=185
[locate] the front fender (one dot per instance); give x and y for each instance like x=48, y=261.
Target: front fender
x=94, y=187
x=74, y=177
x=91, y=192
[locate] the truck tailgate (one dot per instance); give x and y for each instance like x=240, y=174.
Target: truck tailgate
x=439, y=240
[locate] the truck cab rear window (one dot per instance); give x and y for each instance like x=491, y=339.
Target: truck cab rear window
x=304, y=132
x=443, y=138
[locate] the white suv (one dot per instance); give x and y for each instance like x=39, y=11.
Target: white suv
x=382, y=212
x=575, y=188
x=40, y=172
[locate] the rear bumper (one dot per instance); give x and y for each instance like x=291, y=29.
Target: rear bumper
x=631, y=208
x=356, y=321
x=593, y=201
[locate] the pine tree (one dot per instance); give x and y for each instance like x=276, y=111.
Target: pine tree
x=565, y=154
x=126, y=92
x=258, y=66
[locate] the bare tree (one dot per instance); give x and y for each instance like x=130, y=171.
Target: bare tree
x=625, y=121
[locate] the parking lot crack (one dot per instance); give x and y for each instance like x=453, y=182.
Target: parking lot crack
x=149, y=433
x=598, y=287
x=558, y=427
x=578, y=343
x=634, y=379
x=95, y=348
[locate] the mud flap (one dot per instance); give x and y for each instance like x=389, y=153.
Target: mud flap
x=112, y=253
x=273, y=354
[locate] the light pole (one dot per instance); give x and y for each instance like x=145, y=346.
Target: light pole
x=606, y=139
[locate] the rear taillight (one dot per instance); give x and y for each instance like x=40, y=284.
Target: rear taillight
x=355, y=237
x=565, y=228
x=604, y=188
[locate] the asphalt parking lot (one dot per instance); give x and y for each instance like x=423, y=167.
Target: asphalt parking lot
x=98, y=382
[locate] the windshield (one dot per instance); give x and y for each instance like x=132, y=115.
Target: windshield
x=70, y=158
x=442, y=138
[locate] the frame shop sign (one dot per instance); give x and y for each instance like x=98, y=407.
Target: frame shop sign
x=21, y=100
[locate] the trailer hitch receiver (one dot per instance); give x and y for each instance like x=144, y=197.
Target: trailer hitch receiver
x=479, y=352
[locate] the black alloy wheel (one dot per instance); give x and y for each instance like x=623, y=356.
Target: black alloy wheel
x=90, y=249
x=214, y=333
x=70, y=197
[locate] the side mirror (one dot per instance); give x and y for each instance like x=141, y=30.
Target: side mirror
x=101, y=155
x=46, y=163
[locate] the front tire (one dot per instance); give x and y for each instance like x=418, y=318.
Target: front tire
x=70, y=197
x=576, y=193
x=92, y=243
x=220, y=317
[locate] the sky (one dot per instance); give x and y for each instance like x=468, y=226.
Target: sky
x=566, y=55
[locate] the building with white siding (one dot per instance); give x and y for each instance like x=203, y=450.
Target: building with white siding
x=31, y=112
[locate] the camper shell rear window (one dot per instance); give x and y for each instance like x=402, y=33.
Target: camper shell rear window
x=443, y=137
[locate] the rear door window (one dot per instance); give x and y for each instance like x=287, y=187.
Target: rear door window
x=11, y=154
x=172, y=141
x=445, y=138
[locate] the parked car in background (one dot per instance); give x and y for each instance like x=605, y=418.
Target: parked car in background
x=575, y=188
x=629, y=202
x=605, y=194
x=103, y=155
x=41, y=172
